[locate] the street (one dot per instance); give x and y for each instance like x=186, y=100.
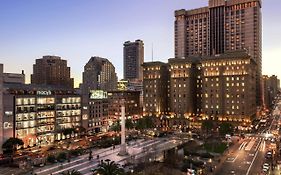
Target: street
x=249, y=154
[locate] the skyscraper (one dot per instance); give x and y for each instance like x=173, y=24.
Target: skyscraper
x=98, y=77
x=224, y=25
x=270, y=89
x=52, y=70
x=99, y=74
x=133, y=59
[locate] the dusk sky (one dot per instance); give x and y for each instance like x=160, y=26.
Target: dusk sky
x=79, y=29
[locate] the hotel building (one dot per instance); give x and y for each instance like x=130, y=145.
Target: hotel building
x=220, y=87
x=156, y=95
x=224, y=25
x=182, y=91
x=228, y=87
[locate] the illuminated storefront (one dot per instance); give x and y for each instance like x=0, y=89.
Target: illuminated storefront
x=41, y=116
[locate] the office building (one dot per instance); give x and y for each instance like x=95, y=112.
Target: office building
x=99, y=74
x=98, y=77
x=271, y=87
x=133, y=53
x=52, y=70
x=224, y=25
x=97, y=112
x=7, y=79
x=131, y=100
x=1, y=107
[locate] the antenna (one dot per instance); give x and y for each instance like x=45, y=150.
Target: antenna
x=152, y=52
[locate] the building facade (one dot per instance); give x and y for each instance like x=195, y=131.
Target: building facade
x=99, y=77
x=1, y=107
x=39, y=115
x=271, y=87
x=156, y=88
x=182, y=91
x=131, y=100
x=220, y=87
x=99, y=74
x=224, y=25
x=52, y=70
x=14, y=78
x=228, y=87
x=7, y=79
x=97, y=112
x=133, y=59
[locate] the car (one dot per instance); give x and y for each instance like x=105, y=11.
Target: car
x=269, y=155
x=265, y=170
x=265, y=166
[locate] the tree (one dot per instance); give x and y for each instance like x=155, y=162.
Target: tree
x=81, y=130
x=72, y=172
x=108, y=168
x=129, y=124
x=145, y=123
x=225, y=128
x=207, y=126
x=68, y=131
x=116, y=126
x=62, y=156
x=51, y=159
x=10, y=146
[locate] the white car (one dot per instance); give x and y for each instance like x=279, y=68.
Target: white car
x=265, y=167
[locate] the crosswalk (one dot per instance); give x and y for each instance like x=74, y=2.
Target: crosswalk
x=253, y=144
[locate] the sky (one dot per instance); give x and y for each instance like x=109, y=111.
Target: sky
x=78, y=29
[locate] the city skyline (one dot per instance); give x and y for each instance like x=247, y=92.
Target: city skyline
x=76, y=31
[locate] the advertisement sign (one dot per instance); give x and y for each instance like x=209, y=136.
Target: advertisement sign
x=98, y=94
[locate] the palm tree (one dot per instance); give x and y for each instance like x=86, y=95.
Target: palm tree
x=72, y=172
x=108, y=168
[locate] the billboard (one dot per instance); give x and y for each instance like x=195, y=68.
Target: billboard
x=122, y=85
x=98, y=94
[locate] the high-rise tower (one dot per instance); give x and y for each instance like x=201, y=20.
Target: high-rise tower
x=52, y=70
x=224, y=25
x=133, y=59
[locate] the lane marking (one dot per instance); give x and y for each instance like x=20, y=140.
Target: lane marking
x=241, y=146
x=248, y=171
x=250, y=145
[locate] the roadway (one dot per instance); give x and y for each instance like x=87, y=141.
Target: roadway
x=247, y=156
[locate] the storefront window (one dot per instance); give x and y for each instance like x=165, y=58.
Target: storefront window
x=45, y=100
